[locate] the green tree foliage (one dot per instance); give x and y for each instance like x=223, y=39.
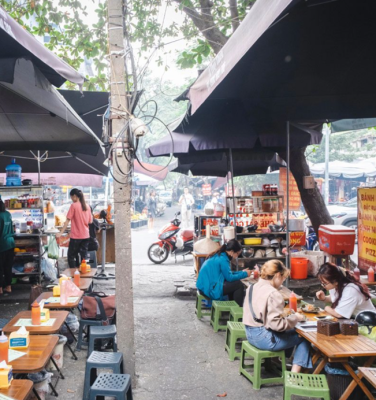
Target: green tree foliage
x=71, y=38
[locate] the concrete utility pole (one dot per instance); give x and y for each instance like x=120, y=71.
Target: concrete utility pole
x=122, y=191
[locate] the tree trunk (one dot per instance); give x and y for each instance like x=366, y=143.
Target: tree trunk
x=312, y=199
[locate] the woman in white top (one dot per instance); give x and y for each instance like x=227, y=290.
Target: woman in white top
x=186, y=201
x=347, y=295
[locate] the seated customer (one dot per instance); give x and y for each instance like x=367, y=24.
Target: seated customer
x=347, y=295
x=267, y=327
x=216, y=280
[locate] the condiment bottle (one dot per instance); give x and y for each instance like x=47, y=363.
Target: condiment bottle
x=35, y=313
x=63, y=293
x=4, y=348
x=293, y=302
x=356, y=273
x=371, y=275
x=77, y=278
x=256, y=272
x=83, y=267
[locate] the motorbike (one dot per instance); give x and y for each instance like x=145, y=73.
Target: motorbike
x=170, y=242
x=161, y=207
x=312, y=242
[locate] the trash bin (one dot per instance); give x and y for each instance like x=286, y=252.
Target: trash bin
x=338, y=380
x=58, y=354
x=72, y=322
x=41, y=380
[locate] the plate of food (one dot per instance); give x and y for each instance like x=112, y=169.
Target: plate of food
x=324, y=318
x=310, y=308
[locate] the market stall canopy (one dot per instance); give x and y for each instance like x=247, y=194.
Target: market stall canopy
x=35, y=116
x=144, y=180
x=296, y=60
x=244, y=163
x=157, y=172
x=17, y=42
x=347, y=170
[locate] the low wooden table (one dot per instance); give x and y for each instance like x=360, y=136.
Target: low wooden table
x=85, y=284
x=36, y=355
x=58, y=306
x=70, y=272
x=339, y=348
x=369, y=374
x=283, y=289
x=364, y=279
x=59, y=316
x=20, y=389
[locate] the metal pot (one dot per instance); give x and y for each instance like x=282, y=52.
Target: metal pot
x=296, y=225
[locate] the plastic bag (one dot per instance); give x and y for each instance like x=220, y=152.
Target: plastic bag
x=71, y=289
x=53, y=248
x=48, y=270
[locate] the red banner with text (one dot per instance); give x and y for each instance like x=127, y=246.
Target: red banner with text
x=295, y=199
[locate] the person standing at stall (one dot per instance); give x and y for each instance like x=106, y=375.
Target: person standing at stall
x=80, y=216
x=6, y=249
x=152, y=209
x=186, y=202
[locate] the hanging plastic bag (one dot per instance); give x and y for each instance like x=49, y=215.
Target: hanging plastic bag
x=71, y=289
x=48, y=270
x=53, y=248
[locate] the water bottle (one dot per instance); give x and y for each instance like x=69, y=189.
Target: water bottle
x=13, y=173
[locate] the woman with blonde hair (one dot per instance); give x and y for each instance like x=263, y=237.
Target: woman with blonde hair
x=266, y=325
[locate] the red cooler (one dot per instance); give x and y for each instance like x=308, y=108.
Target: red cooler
x=337, y=239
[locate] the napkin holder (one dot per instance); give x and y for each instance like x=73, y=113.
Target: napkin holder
x=6, y=375
x=44, y=312
x=56, y=291
x=328, y=328
x=19, y=339
x=349, y=328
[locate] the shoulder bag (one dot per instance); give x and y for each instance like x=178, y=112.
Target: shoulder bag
x=99, y=306
x=258, y=320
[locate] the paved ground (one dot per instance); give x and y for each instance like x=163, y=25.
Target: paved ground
x=177, y=356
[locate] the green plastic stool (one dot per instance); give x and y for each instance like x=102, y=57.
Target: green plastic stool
x=199, y=308
x=218, y=307
x=259, y=355
x=235, y=331
x=306, y=385
x=236, y=314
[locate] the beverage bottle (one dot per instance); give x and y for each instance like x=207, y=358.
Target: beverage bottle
x=371, y=275
x=77, y=278
x=63, y=293
x=256, y=272
x=356, y=273
x=293, y=302
x=83, y=267
x=4, y=348
x=35, y=313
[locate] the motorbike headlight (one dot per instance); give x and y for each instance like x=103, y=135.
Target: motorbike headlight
x=165, y=235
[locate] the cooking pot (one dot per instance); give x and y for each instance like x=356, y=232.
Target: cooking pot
x=296, y=225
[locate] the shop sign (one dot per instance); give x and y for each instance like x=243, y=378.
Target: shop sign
x=262, y=220
x=206, y=189
x=213, y=222
x=295, y=199
x=297, y=238
x=366, y=228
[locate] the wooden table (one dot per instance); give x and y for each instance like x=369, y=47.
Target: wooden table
x=58, y=306
x=36, y=355
x=283, y=289
x=364, y=279
x=85, y=284
x=59, y=316
x=19, y=389
x=369, y=374
x=340, y=348
x=70, y=272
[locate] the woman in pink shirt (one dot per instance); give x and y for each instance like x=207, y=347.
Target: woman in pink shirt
x=79, y=215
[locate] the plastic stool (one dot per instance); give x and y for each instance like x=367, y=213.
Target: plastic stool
x=306, y=385
x=92, y=259
x=235, y=331
x=97, y=360
x=99, y=333
x=236, y=314
x=112, y=385
x=258, y=356
x=199, y=299
x=83, y=323
x=218, y=307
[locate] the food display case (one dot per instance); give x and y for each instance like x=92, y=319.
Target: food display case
x=25, y=203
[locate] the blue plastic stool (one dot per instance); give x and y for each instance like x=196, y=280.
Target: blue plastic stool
x=99, y=333
x=112, y=385
x=83, y=323
x=96, y=360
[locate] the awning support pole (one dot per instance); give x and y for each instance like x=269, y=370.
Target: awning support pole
x=233, y=197
x=288, y=198
x=38, y=167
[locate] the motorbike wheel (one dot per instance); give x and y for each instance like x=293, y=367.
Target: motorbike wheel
x=157, y=254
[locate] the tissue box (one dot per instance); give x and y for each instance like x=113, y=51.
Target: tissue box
x=44, y=315
x=19, y=340
x=56, y=291
x=6, y=376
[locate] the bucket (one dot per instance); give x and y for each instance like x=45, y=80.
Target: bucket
x=299, y=268
x=58, y=354
x=229, y=232
x=41, y=380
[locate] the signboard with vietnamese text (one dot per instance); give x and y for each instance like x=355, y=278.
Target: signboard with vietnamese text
x=366, y=228
x=262, y=220
x=297, y=239
x=206, y=189
x=295, y=200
